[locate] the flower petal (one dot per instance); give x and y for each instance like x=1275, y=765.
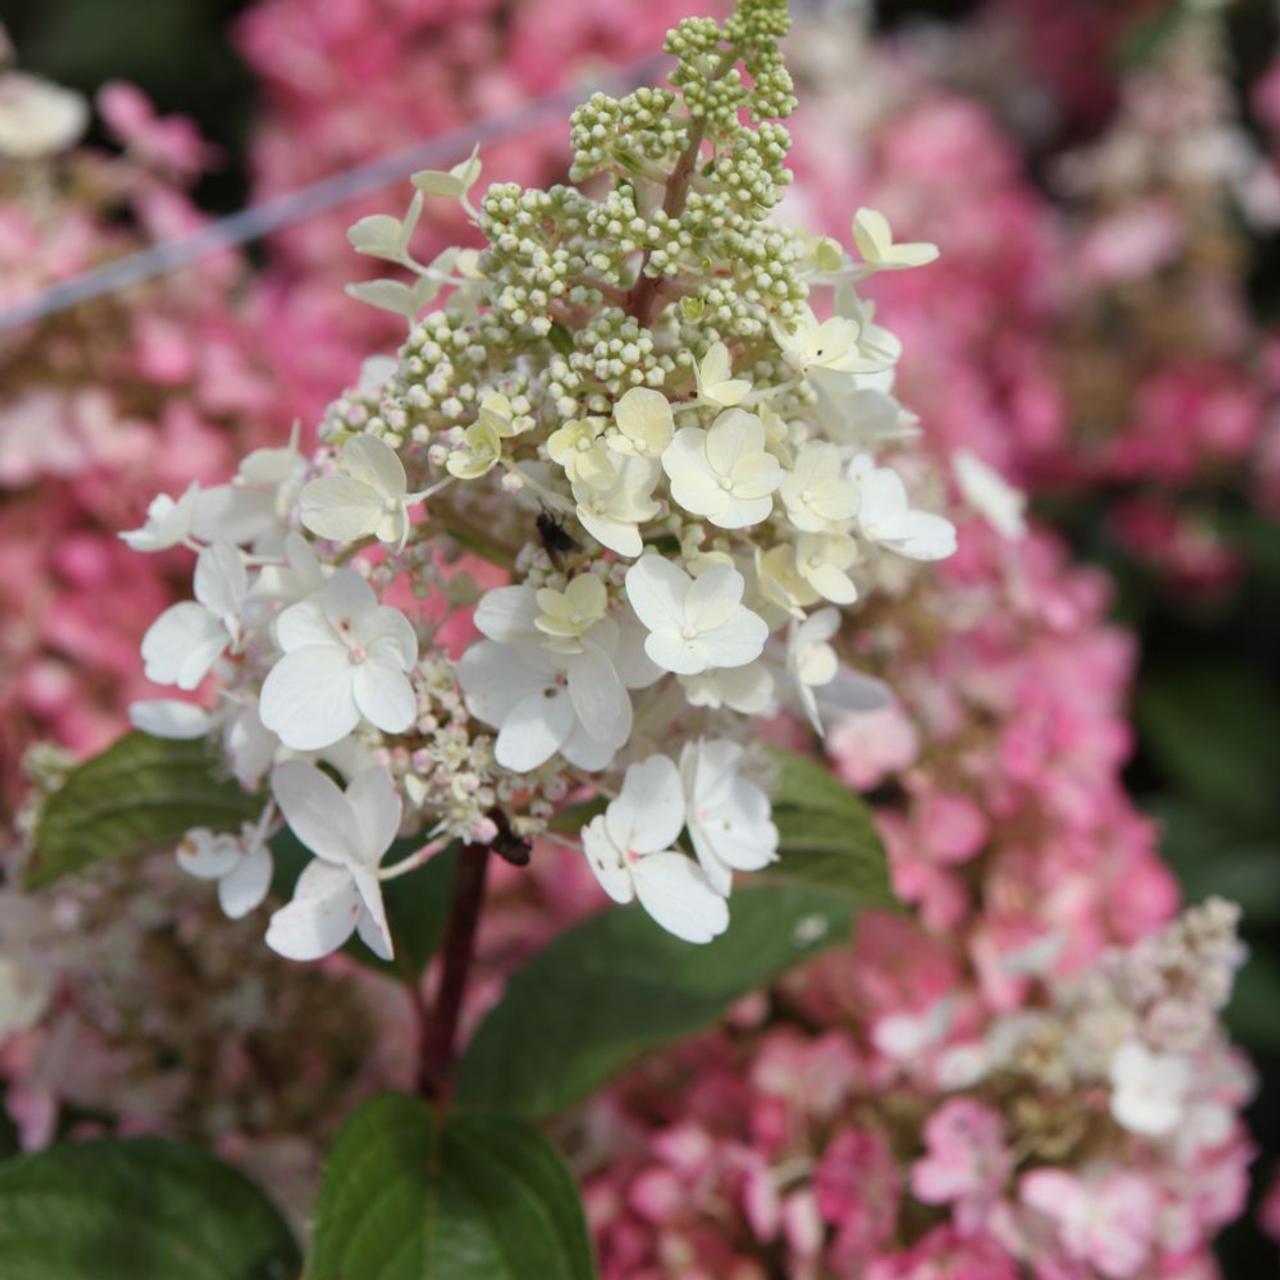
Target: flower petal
x=304, y=624
x=606, y=861
x=383, y=695
x=734, y=643
x=375, y=463
x=675, y=891
x=170, y=718
x=508, y=615
x=244, y=888
x=599, y=700
x=307, y=699
x=207, y=856
x=348, y=599
x=221, y=582
x=182, y=644
x=318, y=812
x=534, y=729
x=341, y=508
x=494, y=677
x=649, y=812
x=657, y=590
x=321, y=917
x=377, y=806
x=714, y=597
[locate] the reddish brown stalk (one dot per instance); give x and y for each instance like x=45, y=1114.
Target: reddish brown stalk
x=439, y=1043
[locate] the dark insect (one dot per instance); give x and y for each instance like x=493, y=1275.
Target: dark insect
x=506, y=844
x=555, y=541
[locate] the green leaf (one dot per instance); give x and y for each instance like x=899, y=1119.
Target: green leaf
x=1251, y=1015
x=840, y=854
x=141, y=795
x=1212, y=857
x=827, y=833
x=144, y=1208
x=801, y=782
x=571, y=820
x=406, y=1196
x=1214, y=729
x=417, y=902
x=617, y=985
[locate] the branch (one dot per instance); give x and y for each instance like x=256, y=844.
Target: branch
x=439, y=1044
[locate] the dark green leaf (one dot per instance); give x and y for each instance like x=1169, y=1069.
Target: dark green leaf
x=832, y=852
x=827, y=834
x=417, y=903
x=1251, y=1015
x=139, y=796
x=617, y=985
x=145, y=1209
x=800, y=782
x=1210, y=856
x=1214, y=729
x=477, y=1197
x=571, y=820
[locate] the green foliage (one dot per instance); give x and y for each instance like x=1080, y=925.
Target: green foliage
x=407, y=1196
x=417, y=903
x=144, y=1209
x=140, y=795
x=827, y=835
x=1213, y=729
x=1251, y=1015
x=617, y=986
x=1210, y=855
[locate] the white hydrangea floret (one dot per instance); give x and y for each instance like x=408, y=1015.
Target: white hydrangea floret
x=241, y=865
x=345, y=658
x=990, y=495
x=368, y=497
x=818, y=497
x=886, y=517
x=714, y=378
x=629, y=847
x=724, y=473
x=697, y=624
x=645, y=423
x=728, y=815
x=182, y=644
x=349, y=832
x=874, y=240
x=1148, y=1090
x=612, y=510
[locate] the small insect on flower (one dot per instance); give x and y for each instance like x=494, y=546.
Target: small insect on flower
x=507, y=845
x=556, y=541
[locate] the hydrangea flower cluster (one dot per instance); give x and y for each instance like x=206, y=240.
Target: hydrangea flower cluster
x=1094, y=1135
x=626, y=402
x=152, y=388
x=1076, y=383
x=1028, y=1074
x=364, y=79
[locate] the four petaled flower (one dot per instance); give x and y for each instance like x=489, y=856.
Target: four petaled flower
x=349, y=831
x=724, y=473
x=368, y=496
x=182, y=644
x=694, y=624
x=629, y=849
x=345, y=657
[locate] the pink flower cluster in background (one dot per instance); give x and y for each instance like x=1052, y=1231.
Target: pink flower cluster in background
x=104, y=406
x=1092, y=339
x=1026, y=1070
